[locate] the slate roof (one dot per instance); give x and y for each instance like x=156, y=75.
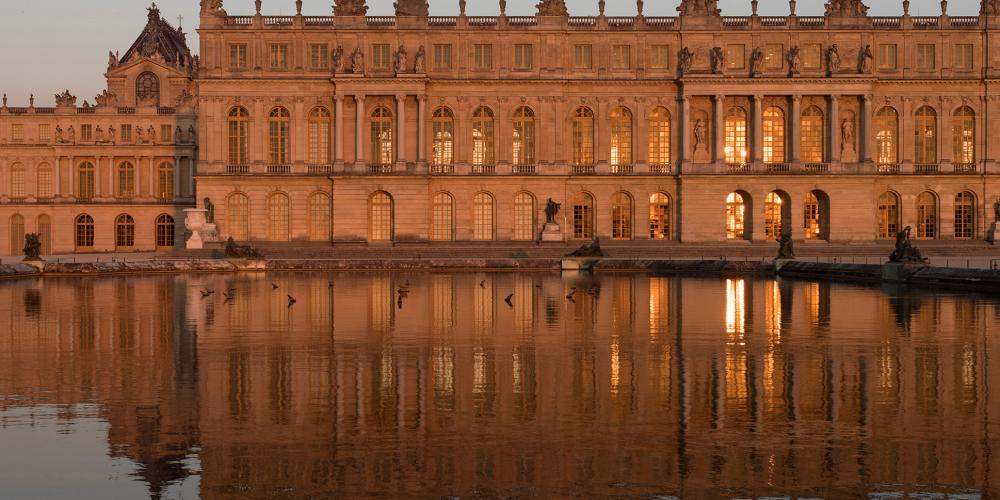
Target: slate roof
x=159, y=37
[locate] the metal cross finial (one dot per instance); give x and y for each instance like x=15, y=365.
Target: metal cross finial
x=180, y=19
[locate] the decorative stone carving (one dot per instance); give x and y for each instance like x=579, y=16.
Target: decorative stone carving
x=32, y=247
x=338, y=59
x=192, y=135
x=786, y=249
x=700, y=133
x=794, y=60
x=846, y=8
x=106, y=99
x=59, y=135
x=212, y=8
x=699, y=8
x=185, y=100
x=72, y=134
x=401, y=60
x=140, y=135
x=866, y=58
x=905, y=252
x=112, y=60
x=5, y=100
x=179, y=135
x=31, y=101
x=350, y=8
x=990, y=8
x=419, y=61
x=152, y=134
x=358, y=61
x=98, y=134
x=552, y=8
x=65, y=100
x=685, y=60
x=111, y=133
x=418, y=8
x=718, y=60
x=756, y=61
x=833, y=59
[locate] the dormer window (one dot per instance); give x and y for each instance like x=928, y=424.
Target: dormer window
x=147, y=89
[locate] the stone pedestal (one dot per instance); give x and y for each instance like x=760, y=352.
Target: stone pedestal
x=897, y=272
x=701, y=153
x=202, y=231
x=551, y=232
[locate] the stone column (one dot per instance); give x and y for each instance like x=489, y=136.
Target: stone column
x=191, y=174
x=359, y=151
x=338, y=116
x=72, y=177
x=401, y=131
x=758, y=129
x=835, y=136
x=422, y=131
x=111, y=175
x=685, y=135
x=177, y=177
x=58, y=173
x=796, y=136
x=867, y=134
x=138, y=177
x=718, y=130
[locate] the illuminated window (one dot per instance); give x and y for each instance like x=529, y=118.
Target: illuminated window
x=45, y=182
x=583, y=216
x=442, y=217
x=813, y=136
x=736, y=136
x=774, y=56
x=964, y=57
x=621, y=56
x=736, y=56
x=238, y=124
x=659, y=57
x=964, y=133
x=45, y=233
x=523, y=59
x=926, y=56
x=927, y=215
x=17, y=188
x=887, y=57
x=17, y=234
x=442, y=56
x=147, y=88
x=886, y=133
x=381, y=137
x=483, y=56
x=278, y=213
x=774, y=135
x=319, y=217
x=621, y=216
x=774, y=206
x=238, y=56
x=165, y=231
x=482, y=137
x=279, y=133
x=482, y=217
x=735, y=217
x=85, y=181
x=659, y=137
x=925, y=130
x=659, y=217
x=443, y=130
x=524, y=137
x=84, y=233
x=965, y=215
x=381, y=56
x=380, y=217
x=124, y=232
x=888, y=215
x=126, y=180
x=279, y=56
x=813, y=213
x=621, y=137
x=319, y=136
x=319, y=55
x=165, y=184
x=524, y=217
x=583, y=137
x=238, y=216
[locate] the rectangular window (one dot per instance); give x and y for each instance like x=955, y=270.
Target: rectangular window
x=736, y=56
x=442, y=56
x=238, y=56
x=926, y=56
x=523, y=60
x=86, y=132
x=483, y=56
x=621, y=56
x=319, y=56
x=887, y=57
x=381, y=56
x=812, y=56
x=963, y=57
x=583, y=57
x=660, y=57
x=45, y=185
x=279, y=56
x=44, y=133
x=126, y=133
x=774, y=56
x=17, y=132
x=166, y=134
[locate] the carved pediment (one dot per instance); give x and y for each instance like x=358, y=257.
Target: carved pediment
x=552, y=8
x=350, y=8
x=846, y=8
x=418, y=8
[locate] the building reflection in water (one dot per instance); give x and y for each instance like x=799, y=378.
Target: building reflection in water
x=637, y=386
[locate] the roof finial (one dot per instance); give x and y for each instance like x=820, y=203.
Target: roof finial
x=298, y=7
x=257, y=4
x=600, y=7
x=791, y=7
x=906, y=7
x=753, y=7
x=638, y=7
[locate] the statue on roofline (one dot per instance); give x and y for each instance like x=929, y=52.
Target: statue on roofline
x=846, y=8
x=699, y=8
x=552, y=8
x=350, y=8
x=417, y=8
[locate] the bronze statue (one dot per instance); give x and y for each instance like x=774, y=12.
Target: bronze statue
x=209, y=210
x=786, y=250
x=905, y=252
x=551, y=210
x=32, y=247
x=234, y=251
x=589, y=250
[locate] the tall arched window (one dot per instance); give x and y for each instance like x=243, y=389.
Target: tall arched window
x=621, y=137
x=278, y=214
x=925, y=130
x=126, y=180
x=659, y=137
x=124, y=232
x=238, y=216
x=45, y=233
x=523, y=142
x=380, y=217
x=165, y=181
x=319, y=136
x=813, y=136
x=147, y=88
x=165, y=231
x=583, y=137
x=621, y=216
x=524, y=217
x=964, y=133
x=442, y=217
x=381, y=137
x=17, y=234
x=583, y=216
x=659, y=217
x=774, y=210
x=85, y=181
x=239, y=121
x=888, y=215
x=735, y=217
x=319, y=217
x=816, y=210
x=279, y=133
x=735, y=149
x=482, y=137
x=886, y=137
x=45, y=182
x=774, y=135
x=84, y=231
x=927, y=215
x=443, y=135
x=17, y=187
x=965, y=215
x=482, y=217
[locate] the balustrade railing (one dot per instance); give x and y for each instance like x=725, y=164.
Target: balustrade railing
x=319, y=169
x=965, y=168
x=237, y=169
x=739, y=168
x=925, y=22
x=812, y=21
x=582, y=21
x=439, y=21
x=621, y=22
x=480, y=21
x=888, y=168
x=484, y=169
x=778, y=167
x=583, y=169
x=522, y=21
x=622, y=169
x=661, y=22
x=885, y=22
x=379, y=169
x=926, y=168
x=278, y=20
x=318, y=21
x=239, y=21
x=964, y=22
x=279, y=169
x=381, y=21
x=523, y=169
x=735, y=21
x=443, y=169
x=661, y=168
x=773, y=21
x=817, y=167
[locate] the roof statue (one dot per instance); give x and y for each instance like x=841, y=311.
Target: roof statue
x=699, y=8
x=418, y=8
x=552, y=8
x=350, y=8
x=160, y=40
x=990, y=8
x=846, y=8
x=212, y=7
x=65, y=99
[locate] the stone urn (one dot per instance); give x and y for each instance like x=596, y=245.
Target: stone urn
x=196, y=221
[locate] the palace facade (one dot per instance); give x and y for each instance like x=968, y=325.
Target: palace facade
x=415, y=128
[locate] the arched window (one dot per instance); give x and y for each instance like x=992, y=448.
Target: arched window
x=165, y=182
x=319, y=136
x=964, y=132
x=482, y=137
x=583, y=216
x=524, y=217
x=238, y=216
x=735, y=217
x=927, y=215
x=319, y=217
x=659, y=217
x=85, y=181
x=482, y=217
x=925, y=129
x=443, y=130
x=774, y=135
x=524, y=137
x=126, y=180
x=124, y=232
x=659, y=137
x=45, y=181
x=17, y=188
x=621, y=137
x=17, y=234
x=84, y=225
x=278, y=213
x=621, y=216
x=816, y=210
x=774, y=211
x=45, y=233
x=965, y=215
x=165, y=231
x=813, y=136
x=735, y=149
x=147, y=89
x=381, y=137
x=886, y=137
x=279, y=133
x=239, y=121
x=888, y=215
x=442, y=217
x=583, y=137
x=380, y=217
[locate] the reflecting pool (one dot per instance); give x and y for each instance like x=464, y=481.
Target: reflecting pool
x=493, y=385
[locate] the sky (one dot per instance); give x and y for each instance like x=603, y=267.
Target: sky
x=45, y=53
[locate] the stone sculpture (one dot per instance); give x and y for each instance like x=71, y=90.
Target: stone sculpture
x=112, y=60
x=847, y=130
x=996, y=212
x=111, y=133
x=350, y=8
x=192, y=135
x=865, y=65
x=59, y=135
x=905, y=252
x=419, y=61
x=551, y=211
x=699, y=132
x=212, y=7
x=401, y=60
x=699, y=8
x=685, y=60
x=234, y=251
x=990, y=8
x=718, y=60
x=833, y=59
x=32, y=247
x=588, y=250
x=98, y=134
x=786, y=248
x=846, y=8
x=179, y=135
x=756, y=61
x=552, y=8
x=72, y=134
x=65, y=99
x=106, y=99
x=209, y=210
x=358, y=61
x=418, y=8
x=338, y=59
x=794, y=59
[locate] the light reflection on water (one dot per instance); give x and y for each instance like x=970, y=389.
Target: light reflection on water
x=633, y=386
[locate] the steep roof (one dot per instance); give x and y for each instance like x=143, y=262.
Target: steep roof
x=159, y=37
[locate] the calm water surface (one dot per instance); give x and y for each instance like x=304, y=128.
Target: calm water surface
x=640, y=386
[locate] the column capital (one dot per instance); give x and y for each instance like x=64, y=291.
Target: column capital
x=834, y=97
x=400, y=97
x=359, y=97
x=719, y=97
x=758, y=97
x=338, y=97
x=796, y=97
x=422, y=98
x=867, y=98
